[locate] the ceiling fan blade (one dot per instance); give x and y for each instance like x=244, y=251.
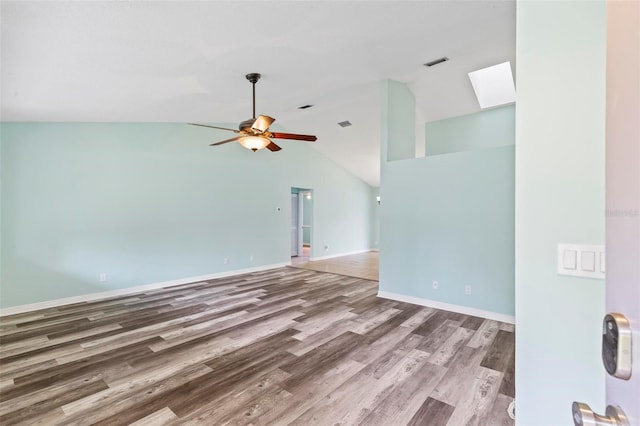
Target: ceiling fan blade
x=273, y=147
x=225, y=141
x=293, y=136
x=215, y=127
x=262, y=123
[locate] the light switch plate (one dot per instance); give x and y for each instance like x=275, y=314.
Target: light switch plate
x=569, y=259
x=589, y=260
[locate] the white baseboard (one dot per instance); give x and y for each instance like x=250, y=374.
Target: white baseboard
x=331, y=256
x=448, y=307
x=129, y=290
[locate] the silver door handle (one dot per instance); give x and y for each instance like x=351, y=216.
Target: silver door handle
x=583, y=415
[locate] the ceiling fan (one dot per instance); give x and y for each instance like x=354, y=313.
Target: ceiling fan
x=254, y=133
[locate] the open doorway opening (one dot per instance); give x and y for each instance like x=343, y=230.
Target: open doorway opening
x=301, y=224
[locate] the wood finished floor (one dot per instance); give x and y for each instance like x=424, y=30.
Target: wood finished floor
x=285, y=346
x=361, y=265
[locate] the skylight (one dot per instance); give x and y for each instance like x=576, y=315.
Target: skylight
x=494, y=85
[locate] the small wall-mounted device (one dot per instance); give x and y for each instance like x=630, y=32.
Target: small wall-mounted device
x=616, y=345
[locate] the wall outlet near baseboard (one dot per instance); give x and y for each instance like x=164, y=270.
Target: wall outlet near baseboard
x=326, y=247
x=467, y=289
x=103, y=277
x=251, y=258
x=435, y=285
x=225, y=261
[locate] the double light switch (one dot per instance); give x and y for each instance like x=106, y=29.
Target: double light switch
x=581, y=260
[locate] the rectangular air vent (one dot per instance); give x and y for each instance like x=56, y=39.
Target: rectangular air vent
x=346, y=123
x=436, y=61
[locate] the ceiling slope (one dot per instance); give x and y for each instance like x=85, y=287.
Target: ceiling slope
x=185, y=61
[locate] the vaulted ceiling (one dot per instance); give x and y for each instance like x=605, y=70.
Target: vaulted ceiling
x=182, y=61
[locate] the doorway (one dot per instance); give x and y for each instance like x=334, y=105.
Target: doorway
x=301, y=224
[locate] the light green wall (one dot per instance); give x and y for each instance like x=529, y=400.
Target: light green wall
x=485, y=129
x=448, y=218
x=401, y=121
x=559, y=199
x=397, y=133
x=153, y=202
x=375, y=228
x=1, y=232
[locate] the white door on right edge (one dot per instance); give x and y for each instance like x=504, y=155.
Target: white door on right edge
x=623, y=190
x=621, y=328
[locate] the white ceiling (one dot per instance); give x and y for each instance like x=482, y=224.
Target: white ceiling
x=182, y=61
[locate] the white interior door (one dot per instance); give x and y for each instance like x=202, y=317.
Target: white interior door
x=295, y=219
x=622, y=247
x=623, y=189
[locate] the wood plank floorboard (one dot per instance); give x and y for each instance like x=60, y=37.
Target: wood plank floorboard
x=277, y=347
x=499, y=354
x=432, y=413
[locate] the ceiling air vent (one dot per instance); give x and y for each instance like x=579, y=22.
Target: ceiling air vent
x=436, y=61
x=305, y=106
x=344, y=123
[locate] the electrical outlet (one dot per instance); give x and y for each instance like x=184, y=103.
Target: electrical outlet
x=467, y=289
x=435, y=285
x=226, y=261
x=103, y=277
x=326, y=248
x=251, y=258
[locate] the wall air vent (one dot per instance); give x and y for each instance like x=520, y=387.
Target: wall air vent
x=305, y=106
x=346, y=123
x=436, y=61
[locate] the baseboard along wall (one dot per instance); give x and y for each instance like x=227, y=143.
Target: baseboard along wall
x=129, y=290
x=510, y=319
x=331, y=256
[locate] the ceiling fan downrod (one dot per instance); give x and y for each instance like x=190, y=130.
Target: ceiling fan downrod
x=253, y=78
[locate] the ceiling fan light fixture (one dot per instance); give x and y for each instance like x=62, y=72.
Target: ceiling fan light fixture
x=254, y=143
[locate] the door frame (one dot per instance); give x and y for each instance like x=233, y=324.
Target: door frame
x=301, y=193
x=294, y=196
x=300, y=222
